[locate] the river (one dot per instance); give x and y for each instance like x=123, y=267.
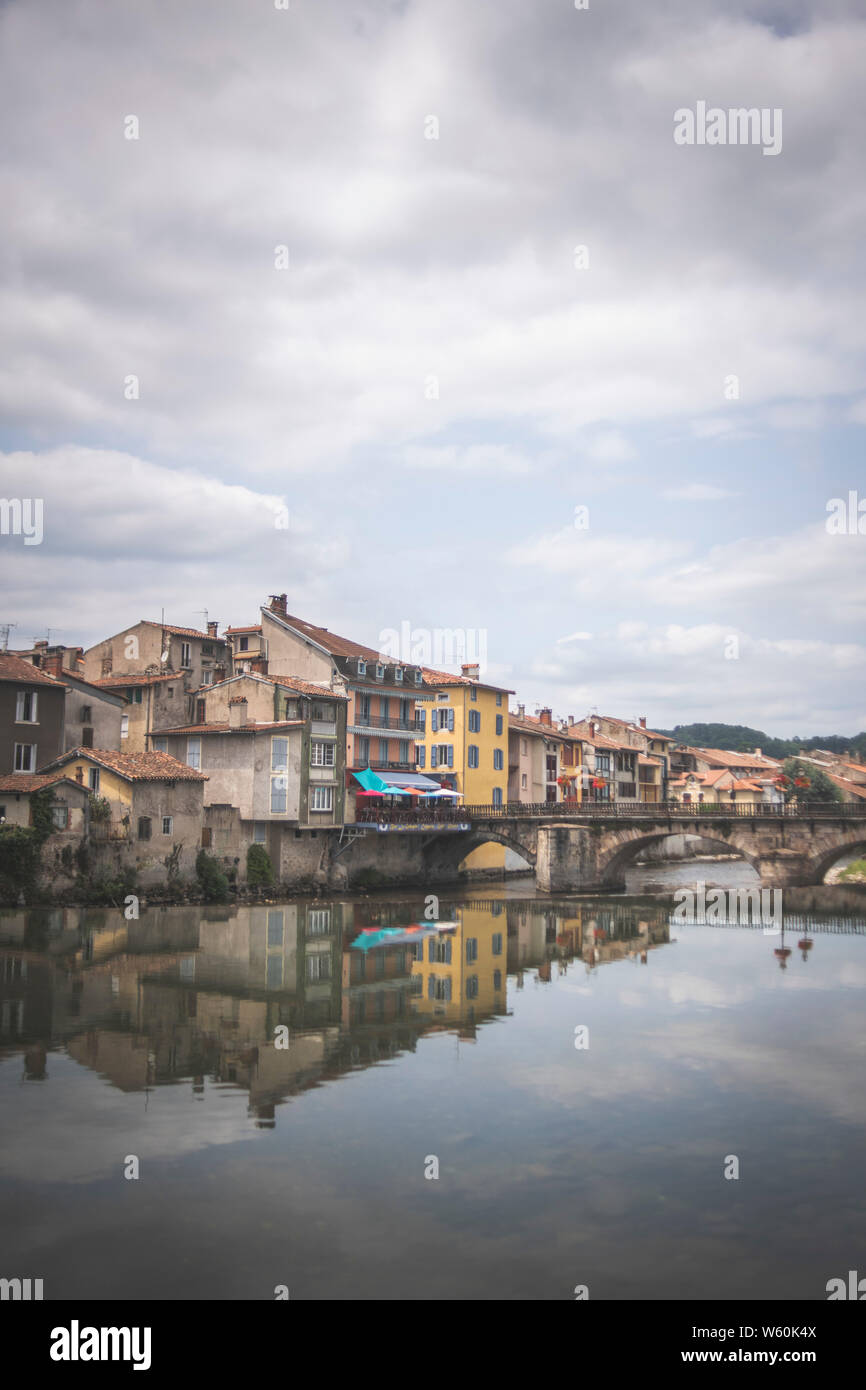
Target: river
x=552, y=1101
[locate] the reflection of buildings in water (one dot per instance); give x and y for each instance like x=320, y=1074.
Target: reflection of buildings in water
x=596, y=932
x=460, y=976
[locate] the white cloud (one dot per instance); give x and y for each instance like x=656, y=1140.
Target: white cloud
x=697, y=492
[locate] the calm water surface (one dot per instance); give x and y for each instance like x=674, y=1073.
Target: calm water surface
x=305, y=1166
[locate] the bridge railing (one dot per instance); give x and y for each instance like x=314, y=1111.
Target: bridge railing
x=613, y=810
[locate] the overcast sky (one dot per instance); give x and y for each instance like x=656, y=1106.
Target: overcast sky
x=340, y=261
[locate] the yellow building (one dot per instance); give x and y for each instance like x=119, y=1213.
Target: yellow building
x=460, y=976
x=461, y=741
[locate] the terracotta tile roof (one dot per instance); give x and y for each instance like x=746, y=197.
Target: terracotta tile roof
x=337, y=646
x=25, y=782
x=637, y=728
x=443, y=678
x=289, y=682
x=531, y=725
x=725, y=758
x=181, y=631
x=855, y=788
x=251, y=727
x=134, y=767
x=648, y=760
x=230, y=631
x=14, y=668
x=137, y=678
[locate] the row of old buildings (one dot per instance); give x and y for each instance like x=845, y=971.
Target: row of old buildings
x=163, y=735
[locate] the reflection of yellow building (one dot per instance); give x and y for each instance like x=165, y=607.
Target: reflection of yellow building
x=460, y=974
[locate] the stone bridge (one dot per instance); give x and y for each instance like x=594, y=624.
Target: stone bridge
x=786, y=846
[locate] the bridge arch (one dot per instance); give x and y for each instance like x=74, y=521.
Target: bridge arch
x=613, y=865
x=445, y=853
x=821, y=865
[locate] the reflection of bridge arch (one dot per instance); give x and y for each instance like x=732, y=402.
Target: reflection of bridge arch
x=613, y=865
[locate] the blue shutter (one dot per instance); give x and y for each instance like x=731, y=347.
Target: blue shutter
x=431, y=986
x=431, y=950
x=448, y=951
x=451, y=755
x=450, y=720
x=434, y=758
x=434, y=721
x=422, y=753
x=448, y=989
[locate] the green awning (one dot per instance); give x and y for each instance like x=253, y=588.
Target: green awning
x=370, y=781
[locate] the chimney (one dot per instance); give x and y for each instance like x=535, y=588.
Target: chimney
x=545, y=716
x=521, y=711
x=757, y=752
x=237, y=712
x=642, y=721
x=212, y=629
x=471, y=670
x=278, y=605
x=53, y=665
x=43, y=642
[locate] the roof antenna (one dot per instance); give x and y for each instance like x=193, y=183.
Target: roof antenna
x=5, y=629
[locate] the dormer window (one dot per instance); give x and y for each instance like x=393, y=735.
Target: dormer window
x=398, y=674
x=418, y=677
x=362, y=667
x=380, y=671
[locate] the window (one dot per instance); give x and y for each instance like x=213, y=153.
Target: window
x=60, y=817
x=168, y=825
x=322, y=799
x=472, y=987
x=473, y=694
x=319, y=966
x=185, y=654
x=279, y=794
x=497, y=796
x=362, y=751
x=499, y=723
x=497, y=760
x=524, y=746
x=496, y=944
x=418, y=677
x=421, y=719
x=275, y=926
x=420, y=755
x=93, y=779
x=403, y=750
x=273, y=971
x=322, y=754
x=244, y=644
x=440, y=950
x=193, y=752
x=124, y=726
x=86, y=738
x=206, y=837
x=474, y=722
x=325, y=713
x=279, y=755
x=471, y=949
x=200, y=711
x=260, y=832
x=160, y=745
x=135, y=695
x=442, y=695
x=383, y=751
x=497, y=979
x=499, y=699
x=319, y=921
x=25, y=707
x=207, y=677
x=472, y=755
x=144, y=827
x=380, y=672
x=398, y=674
x=86, y=716
x=362, y=667
x=442, y=755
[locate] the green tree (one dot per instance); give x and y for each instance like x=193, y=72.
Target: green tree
x=213, y=882
x=816, y=784
x=260, y=870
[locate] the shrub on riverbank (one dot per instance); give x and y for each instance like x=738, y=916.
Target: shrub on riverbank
x=213, y=882
x=260, y=870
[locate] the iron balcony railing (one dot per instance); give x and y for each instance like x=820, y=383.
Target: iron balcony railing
x=378, y=721
x=614, y=810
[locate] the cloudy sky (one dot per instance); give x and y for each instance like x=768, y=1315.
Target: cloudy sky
x=416, y=311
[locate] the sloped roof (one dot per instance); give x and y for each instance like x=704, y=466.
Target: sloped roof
x=134, y=767
x=27, y=782
x=443, y=678
x=223, y=727
x=138, y=678
x=290, y=682
x=14, y=668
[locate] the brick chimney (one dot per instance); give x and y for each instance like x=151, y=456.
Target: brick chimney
x=212, y=629
x=278, y=605
x=642, y=721
x=545, y=716
x=53, y=665
x=521, y=711
x=237, y=712
x=471, y=670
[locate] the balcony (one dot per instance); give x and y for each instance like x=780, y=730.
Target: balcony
x=378, y=766
x=376, y=721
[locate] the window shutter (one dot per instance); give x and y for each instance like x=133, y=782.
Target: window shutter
x=434, y=757
x=451, y=755
x=450, y=720
x=448, y=951
x=448, y=989
x=431, y=986
x=434, y=721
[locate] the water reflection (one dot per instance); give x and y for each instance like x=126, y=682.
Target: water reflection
x=188, y=993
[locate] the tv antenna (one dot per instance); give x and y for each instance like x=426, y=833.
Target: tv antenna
x=5, y=629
